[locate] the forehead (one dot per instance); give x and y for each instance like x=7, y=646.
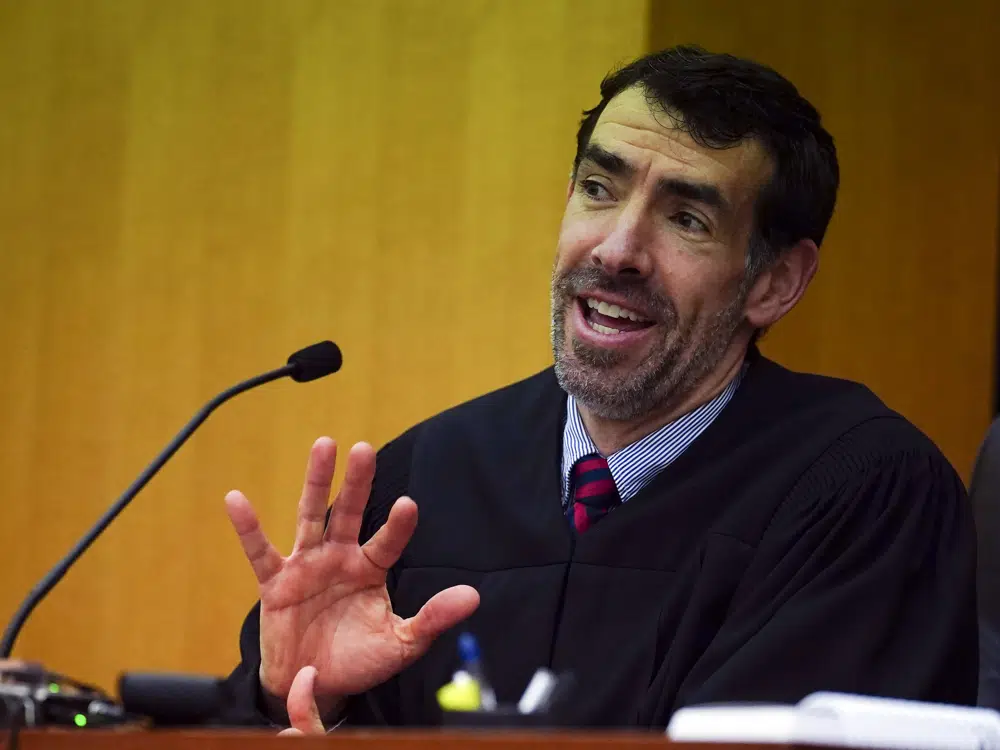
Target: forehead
x=652, y=143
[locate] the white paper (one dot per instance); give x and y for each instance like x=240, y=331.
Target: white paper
x=840, y=720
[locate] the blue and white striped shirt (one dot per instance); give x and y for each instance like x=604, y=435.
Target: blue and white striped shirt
x=636, y=465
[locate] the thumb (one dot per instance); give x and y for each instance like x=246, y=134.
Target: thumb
x=302, y=711
x=444, y=610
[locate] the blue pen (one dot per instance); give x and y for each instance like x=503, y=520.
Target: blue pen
x=472, y=663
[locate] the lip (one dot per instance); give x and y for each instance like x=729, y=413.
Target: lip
x=611, y=299
x=623, y=340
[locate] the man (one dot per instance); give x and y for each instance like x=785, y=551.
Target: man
x=666, y=514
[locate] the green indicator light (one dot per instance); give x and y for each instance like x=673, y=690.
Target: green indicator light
x=80, y=720
x=53, y=687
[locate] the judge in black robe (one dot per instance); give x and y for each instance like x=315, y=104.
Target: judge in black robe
x=810, y=539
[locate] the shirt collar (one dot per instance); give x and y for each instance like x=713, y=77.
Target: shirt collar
x=636, y=465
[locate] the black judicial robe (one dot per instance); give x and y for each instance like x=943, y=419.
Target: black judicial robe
x=810, y=539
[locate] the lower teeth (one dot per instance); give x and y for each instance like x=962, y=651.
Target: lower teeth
x=603, y=329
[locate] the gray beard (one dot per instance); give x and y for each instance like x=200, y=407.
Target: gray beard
x=687, y=353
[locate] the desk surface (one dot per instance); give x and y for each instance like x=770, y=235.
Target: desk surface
x=357, y=740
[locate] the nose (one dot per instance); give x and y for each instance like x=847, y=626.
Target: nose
x=625, y=249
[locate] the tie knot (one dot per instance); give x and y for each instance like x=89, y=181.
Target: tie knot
x=593, y=493
x=590, y=468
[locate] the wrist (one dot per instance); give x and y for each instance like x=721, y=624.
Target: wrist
x=331, y=709
x=273, y=707
x=272, y=701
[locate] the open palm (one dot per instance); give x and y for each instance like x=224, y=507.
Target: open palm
x=326, y=604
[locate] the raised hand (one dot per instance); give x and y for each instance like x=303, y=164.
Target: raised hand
x=326, y=604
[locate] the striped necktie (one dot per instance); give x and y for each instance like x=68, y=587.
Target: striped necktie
x=592, y=492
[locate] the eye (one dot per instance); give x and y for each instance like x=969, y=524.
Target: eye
x=689, y=222
x=594, y=190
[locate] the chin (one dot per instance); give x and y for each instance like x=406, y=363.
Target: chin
x=601, y=397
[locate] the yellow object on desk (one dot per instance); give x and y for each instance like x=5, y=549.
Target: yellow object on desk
x=461, y=694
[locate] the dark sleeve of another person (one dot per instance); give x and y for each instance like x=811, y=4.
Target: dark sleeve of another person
x=864, y=582
x=242, y=703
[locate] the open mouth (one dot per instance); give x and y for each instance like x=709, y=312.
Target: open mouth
x=609, y=319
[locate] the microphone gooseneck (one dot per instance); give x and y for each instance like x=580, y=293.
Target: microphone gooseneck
x=313, y=362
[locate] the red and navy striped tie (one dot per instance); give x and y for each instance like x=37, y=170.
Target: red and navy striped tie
x=592, y=493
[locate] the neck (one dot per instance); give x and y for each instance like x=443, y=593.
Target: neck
x=611, y=435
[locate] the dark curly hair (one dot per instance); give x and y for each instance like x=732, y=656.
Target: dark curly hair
x=720, y=101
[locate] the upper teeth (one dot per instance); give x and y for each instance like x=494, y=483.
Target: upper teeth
x=613, y=311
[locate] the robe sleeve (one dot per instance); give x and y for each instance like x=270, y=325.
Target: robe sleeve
x=863, y=582
x=242, y=704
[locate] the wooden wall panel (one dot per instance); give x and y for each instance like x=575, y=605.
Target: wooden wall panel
x=191, y=190
x=905, y=297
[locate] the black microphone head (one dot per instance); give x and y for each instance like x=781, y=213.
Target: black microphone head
x=316, y=361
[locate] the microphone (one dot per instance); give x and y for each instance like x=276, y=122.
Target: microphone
x=311, y=363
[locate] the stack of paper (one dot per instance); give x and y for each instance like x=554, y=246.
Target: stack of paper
x=840, y=720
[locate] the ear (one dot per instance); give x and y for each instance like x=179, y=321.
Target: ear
x=778, y=289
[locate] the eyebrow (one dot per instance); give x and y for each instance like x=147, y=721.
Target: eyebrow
x=607, y=160
x=700, y=192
